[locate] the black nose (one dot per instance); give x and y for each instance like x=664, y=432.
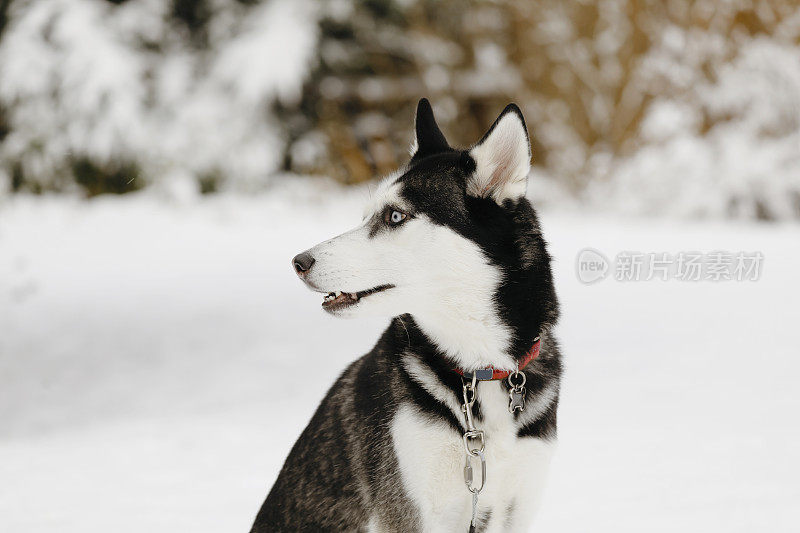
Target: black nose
x=302, y=263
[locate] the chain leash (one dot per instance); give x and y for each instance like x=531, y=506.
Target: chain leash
x=474, y=445
x=474, y=439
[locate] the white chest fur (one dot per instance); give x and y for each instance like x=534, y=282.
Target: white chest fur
x=431, y=459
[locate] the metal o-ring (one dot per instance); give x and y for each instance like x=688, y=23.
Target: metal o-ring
x=520, y=376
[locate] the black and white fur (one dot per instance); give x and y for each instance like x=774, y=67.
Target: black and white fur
x=455, y=254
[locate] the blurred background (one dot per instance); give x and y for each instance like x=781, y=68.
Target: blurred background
x=678, y=107
x=161, y=161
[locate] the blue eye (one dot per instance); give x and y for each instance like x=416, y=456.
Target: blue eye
x=393, y=217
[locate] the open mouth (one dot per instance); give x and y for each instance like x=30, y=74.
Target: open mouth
x=335, y=301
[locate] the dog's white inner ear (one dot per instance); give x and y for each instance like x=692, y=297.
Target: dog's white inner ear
x=502, y=159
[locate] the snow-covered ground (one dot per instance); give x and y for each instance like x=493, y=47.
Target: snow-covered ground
x=158, y=359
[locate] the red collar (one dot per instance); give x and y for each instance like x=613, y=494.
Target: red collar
x=491, y=373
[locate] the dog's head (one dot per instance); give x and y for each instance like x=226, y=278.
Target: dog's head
x=451, y=240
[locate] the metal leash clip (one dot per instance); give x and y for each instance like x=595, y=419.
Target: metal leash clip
x=474, y=444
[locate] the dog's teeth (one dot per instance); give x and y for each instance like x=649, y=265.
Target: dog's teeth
x=353, y=296
x=338, y=293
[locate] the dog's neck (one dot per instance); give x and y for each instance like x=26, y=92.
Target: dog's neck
x=469, y=343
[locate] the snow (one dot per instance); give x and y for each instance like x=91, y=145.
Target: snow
x=158, y=359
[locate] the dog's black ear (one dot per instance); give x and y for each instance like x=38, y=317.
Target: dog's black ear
x=429, y=139
x=502, y=159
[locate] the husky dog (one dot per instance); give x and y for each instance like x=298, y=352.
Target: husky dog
x=452, y=250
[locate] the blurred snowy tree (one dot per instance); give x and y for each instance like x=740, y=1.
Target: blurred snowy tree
x=720, y=135
x=376, y=59
x=592, y=79
x=114, y=95
x=668, y=106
